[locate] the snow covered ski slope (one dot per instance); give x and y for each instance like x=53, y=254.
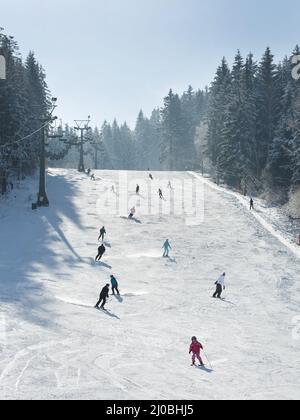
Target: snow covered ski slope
x=54, y=344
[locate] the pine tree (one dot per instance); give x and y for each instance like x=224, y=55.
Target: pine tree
x=191, y=120
x=128, y=155
x=250, y=117
x=280, y=153
x=143, y=139
x=217, y=109
x=231, y=157
x=23, y=98
x=267, y=107
x=156, y=128
x=296, y=133
x=296, y=149
x=13, y=111
x=173, y=153
x=201, y=105
x=107, y=136
x=38, y=101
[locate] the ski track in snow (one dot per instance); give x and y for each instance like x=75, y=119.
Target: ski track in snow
x=54, y=344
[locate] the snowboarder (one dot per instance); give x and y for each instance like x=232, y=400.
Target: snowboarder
x=137, y=190
x=102, y=234
x=132, y=213
x=101, y=252
x=161, y=196
x=167, y=247
x=104, y=295
x=251, y=204
x=220, y=283
x=114, y=285
x=195, y=349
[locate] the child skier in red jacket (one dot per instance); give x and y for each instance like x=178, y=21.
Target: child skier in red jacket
x=196, y=348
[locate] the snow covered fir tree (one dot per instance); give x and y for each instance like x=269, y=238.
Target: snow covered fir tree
x=24, y=98
x=252, y=124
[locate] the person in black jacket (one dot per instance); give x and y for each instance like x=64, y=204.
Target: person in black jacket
x=102, y=234
x=101, y=252
x=104, y=295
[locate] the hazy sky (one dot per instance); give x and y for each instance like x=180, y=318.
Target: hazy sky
x=110, y=58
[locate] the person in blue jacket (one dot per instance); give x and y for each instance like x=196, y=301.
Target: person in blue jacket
x=114, y=285
x=167, y=247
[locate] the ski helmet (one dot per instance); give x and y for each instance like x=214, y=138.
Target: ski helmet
x=194, y=338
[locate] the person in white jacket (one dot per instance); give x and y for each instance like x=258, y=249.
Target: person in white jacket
x=220, y=283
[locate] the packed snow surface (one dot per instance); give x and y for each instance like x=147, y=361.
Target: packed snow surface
x=54, y=344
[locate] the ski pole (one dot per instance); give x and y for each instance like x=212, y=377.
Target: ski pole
x=207, y=359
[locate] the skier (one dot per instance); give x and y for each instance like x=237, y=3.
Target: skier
x=161, y=196
x=220, y=283
x=167, y=247
x=196, y=348
x=114, y=285
x=104, y=295
x=151, y=177
x=101, y=252
x=251, y=204
x=132, y=213
x=102, y=234
x=89, y=171
x=170, y=185
x=93, y=177
x=137, y=189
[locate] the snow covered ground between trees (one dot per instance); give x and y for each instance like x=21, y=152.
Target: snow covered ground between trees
x=54, y=344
